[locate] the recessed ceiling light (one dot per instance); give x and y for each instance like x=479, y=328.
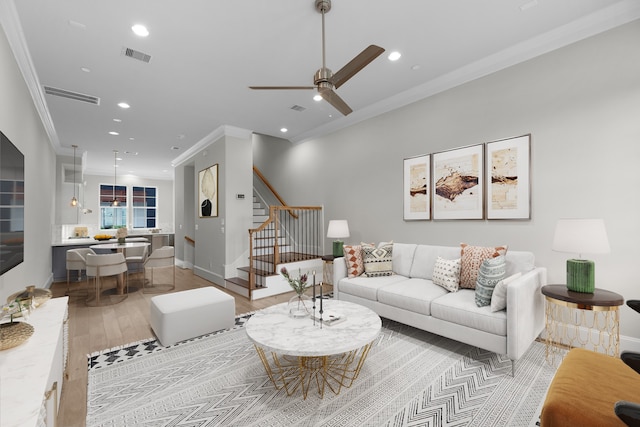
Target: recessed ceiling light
x=394, y=56
x=175, y=148
x=117, y=120
x=85, y=69
x=415, y=67
x=118, y=158
x=123, y=105
x=317, y=97
x=131, y=138
x=283, y=130
x=113, y=133
x=140, y=30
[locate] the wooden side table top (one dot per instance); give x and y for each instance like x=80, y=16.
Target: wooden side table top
x=600, y=298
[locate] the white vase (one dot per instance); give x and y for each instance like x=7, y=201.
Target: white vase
x=300, y=306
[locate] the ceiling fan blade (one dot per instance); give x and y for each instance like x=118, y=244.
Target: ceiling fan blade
x=355, y=65
x=280, y=87
x=332, y=98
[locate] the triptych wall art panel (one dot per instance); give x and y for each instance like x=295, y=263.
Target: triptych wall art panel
x=484, y=181
x=417, y=191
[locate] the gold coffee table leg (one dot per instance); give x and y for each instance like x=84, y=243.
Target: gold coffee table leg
x=334, y=372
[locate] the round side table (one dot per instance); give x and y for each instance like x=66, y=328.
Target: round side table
x=576, y=319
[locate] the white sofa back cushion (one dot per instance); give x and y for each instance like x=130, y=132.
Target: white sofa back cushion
x=403, y=254
x=425, y=259
x=519, y=262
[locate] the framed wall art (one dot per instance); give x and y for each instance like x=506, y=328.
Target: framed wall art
x=508, y=178
x=458, y=181
x=208, y=192
x=417, y=188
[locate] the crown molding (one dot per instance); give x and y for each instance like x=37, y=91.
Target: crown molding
x=614, y=16
x=15, y=36
x=218, y=133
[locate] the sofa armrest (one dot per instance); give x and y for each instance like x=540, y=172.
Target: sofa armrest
x=525, y=311
x=339, y=273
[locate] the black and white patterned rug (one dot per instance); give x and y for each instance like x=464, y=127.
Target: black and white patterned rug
x=410, y=378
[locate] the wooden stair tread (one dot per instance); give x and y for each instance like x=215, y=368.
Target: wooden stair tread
x=238, y=282
x=257, y=272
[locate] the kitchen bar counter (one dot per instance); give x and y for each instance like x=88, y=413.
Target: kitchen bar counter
x=59, y=250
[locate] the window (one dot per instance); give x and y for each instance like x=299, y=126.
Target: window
x=144, y=207
x=112, y=216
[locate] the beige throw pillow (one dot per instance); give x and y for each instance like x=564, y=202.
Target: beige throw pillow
x=378, y=260
x=446, y=273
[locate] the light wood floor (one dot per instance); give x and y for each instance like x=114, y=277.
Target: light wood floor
x=93, y=329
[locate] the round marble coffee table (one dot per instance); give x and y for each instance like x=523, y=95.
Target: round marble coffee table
x=295, y=352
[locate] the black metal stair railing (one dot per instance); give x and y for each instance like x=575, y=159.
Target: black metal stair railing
x=290, y=234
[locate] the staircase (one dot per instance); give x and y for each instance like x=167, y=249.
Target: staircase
x=272, y=237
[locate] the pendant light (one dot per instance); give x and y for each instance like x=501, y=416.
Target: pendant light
x=74, y=200
x=115, y=201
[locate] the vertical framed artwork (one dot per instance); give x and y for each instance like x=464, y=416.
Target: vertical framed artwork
x=458, y=181
x=208, y=192
x=417, y=188
x=508, y=178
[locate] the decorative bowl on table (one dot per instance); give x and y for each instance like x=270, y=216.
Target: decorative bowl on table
x=101, y=237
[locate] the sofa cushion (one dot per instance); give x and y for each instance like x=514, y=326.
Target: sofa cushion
x=472, y=257
x=412, y=295
x=446, y=273
x=491, y=272
x=425, y=258
x=460, y=308
x=519, y=262
x=378, y=261
x=367, y=287
x=403, y=258
x=499, y=296
x=353, y=258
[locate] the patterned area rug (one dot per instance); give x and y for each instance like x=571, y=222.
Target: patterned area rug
x=410, y=378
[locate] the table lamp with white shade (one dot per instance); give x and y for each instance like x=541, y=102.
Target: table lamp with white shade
x=338, y=229
x=581, y=236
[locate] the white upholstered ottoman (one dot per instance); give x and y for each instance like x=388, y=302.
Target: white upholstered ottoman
x=188, y=314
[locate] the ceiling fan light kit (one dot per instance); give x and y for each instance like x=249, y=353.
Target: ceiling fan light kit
x=324, y=79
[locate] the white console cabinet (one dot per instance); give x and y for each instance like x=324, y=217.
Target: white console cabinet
x=31, y=374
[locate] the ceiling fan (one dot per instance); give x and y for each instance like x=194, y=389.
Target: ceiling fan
x=324, y=79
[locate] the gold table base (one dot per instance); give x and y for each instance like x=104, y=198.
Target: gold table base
x=568, y=326
x=293, y=372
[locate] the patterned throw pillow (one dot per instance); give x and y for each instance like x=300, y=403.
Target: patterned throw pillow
x=491, y=272
x=446, y=273
x=471, y=259
x=378, y=260
x=353, y=258
x=499, y=297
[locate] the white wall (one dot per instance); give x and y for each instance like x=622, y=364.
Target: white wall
x=580, y=103
x=20, y=122
x=90, y=199
x=221, y=242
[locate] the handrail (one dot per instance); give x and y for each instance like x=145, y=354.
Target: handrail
x=190, y=240
x=285, y=237
x=273, y=190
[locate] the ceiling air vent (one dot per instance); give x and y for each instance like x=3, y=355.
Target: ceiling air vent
x=136, y=54
x=71, y=95
x=298, y=108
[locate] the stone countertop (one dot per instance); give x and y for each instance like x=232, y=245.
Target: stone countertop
x=90, y=241
x=25, y=369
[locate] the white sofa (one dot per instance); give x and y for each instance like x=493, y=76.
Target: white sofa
x=410, y=297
